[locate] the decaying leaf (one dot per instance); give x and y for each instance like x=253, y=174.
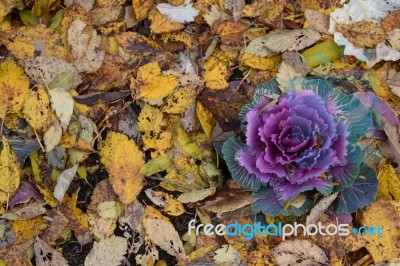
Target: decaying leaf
x=320, y=208
x=229, y=31
x=52, y=136
x=83, y=46
x=362, y=34
x=195, y=196
x=387, y=215
x=228, y=255
x=299, y=252
x=63, y=182
x=63, y=105
x=317, y=20
x=235, y=7
x=10, y=168
x=123, y=161
x=48, y=256
x=182, y=13
x=163, y=234
x=14, y=86
x=291, y=40
x=107, y=252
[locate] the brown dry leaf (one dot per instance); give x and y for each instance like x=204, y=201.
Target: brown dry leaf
x=20, y=41
x=317, y=20
x=387, y=215
x=123, y=161
x=391, y=21
x=363, y=33
x=16, y=254
x=160, y=24
x=230, y=31
x=103, y=15
x=57, y=224
x=225, y=105
x=138, y=46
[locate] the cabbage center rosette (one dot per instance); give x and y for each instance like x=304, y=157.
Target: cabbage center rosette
x=299, y=143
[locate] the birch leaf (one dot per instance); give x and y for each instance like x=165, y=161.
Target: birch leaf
x=291, y=40
x=299, y=252
x=163, y=234
x=63, y=104
x=46, y=255
x=63, y=182
x=182, y=14
x=228, y=256
x=10, y=168
x=107, y=252
x=320, y=208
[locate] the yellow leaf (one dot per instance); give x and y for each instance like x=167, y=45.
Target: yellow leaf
x=14, y=86
x=153, y=213
x=160, y=24
x=151, y=84
x=10, y=168
x=389, y=183
x=206, y=118
x=179, y=36
x=27, y=229
x=261, y=63
x=5, y=7
x=187, y=144
x=179, y=101
x=37, y=109
x=20, y=41
x=141, y=8
x=78, y=219
x=385, y=214
x=123, y=161
x=217, y=70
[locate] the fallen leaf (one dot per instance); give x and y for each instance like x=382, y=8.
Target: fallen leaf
x=141, y=8
x=47, y=256
x=322, y=53
x=160, y=24
x=14, y=86
x=362, y=34
x=291, y=40
x=123, y=161
x=317, y=20
x=155, y=165
x=391, y=21
x=37, y=109
x=257, y=46
x=25, y=192
x=235, y=7
x=163, y=234
x=10, y=168
x=63, y=182
x=181, y=14
x=151, y=84
x=320, y=208
x=230, y=32
x=228, y=255
x=52, y=136
x=389, y=184
x=83, y=46
x=63, y=105
x=195, y=196
x=28, y=228
x=299, y=252
x=107, y=252
x=206, y=118
x=387, y=215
